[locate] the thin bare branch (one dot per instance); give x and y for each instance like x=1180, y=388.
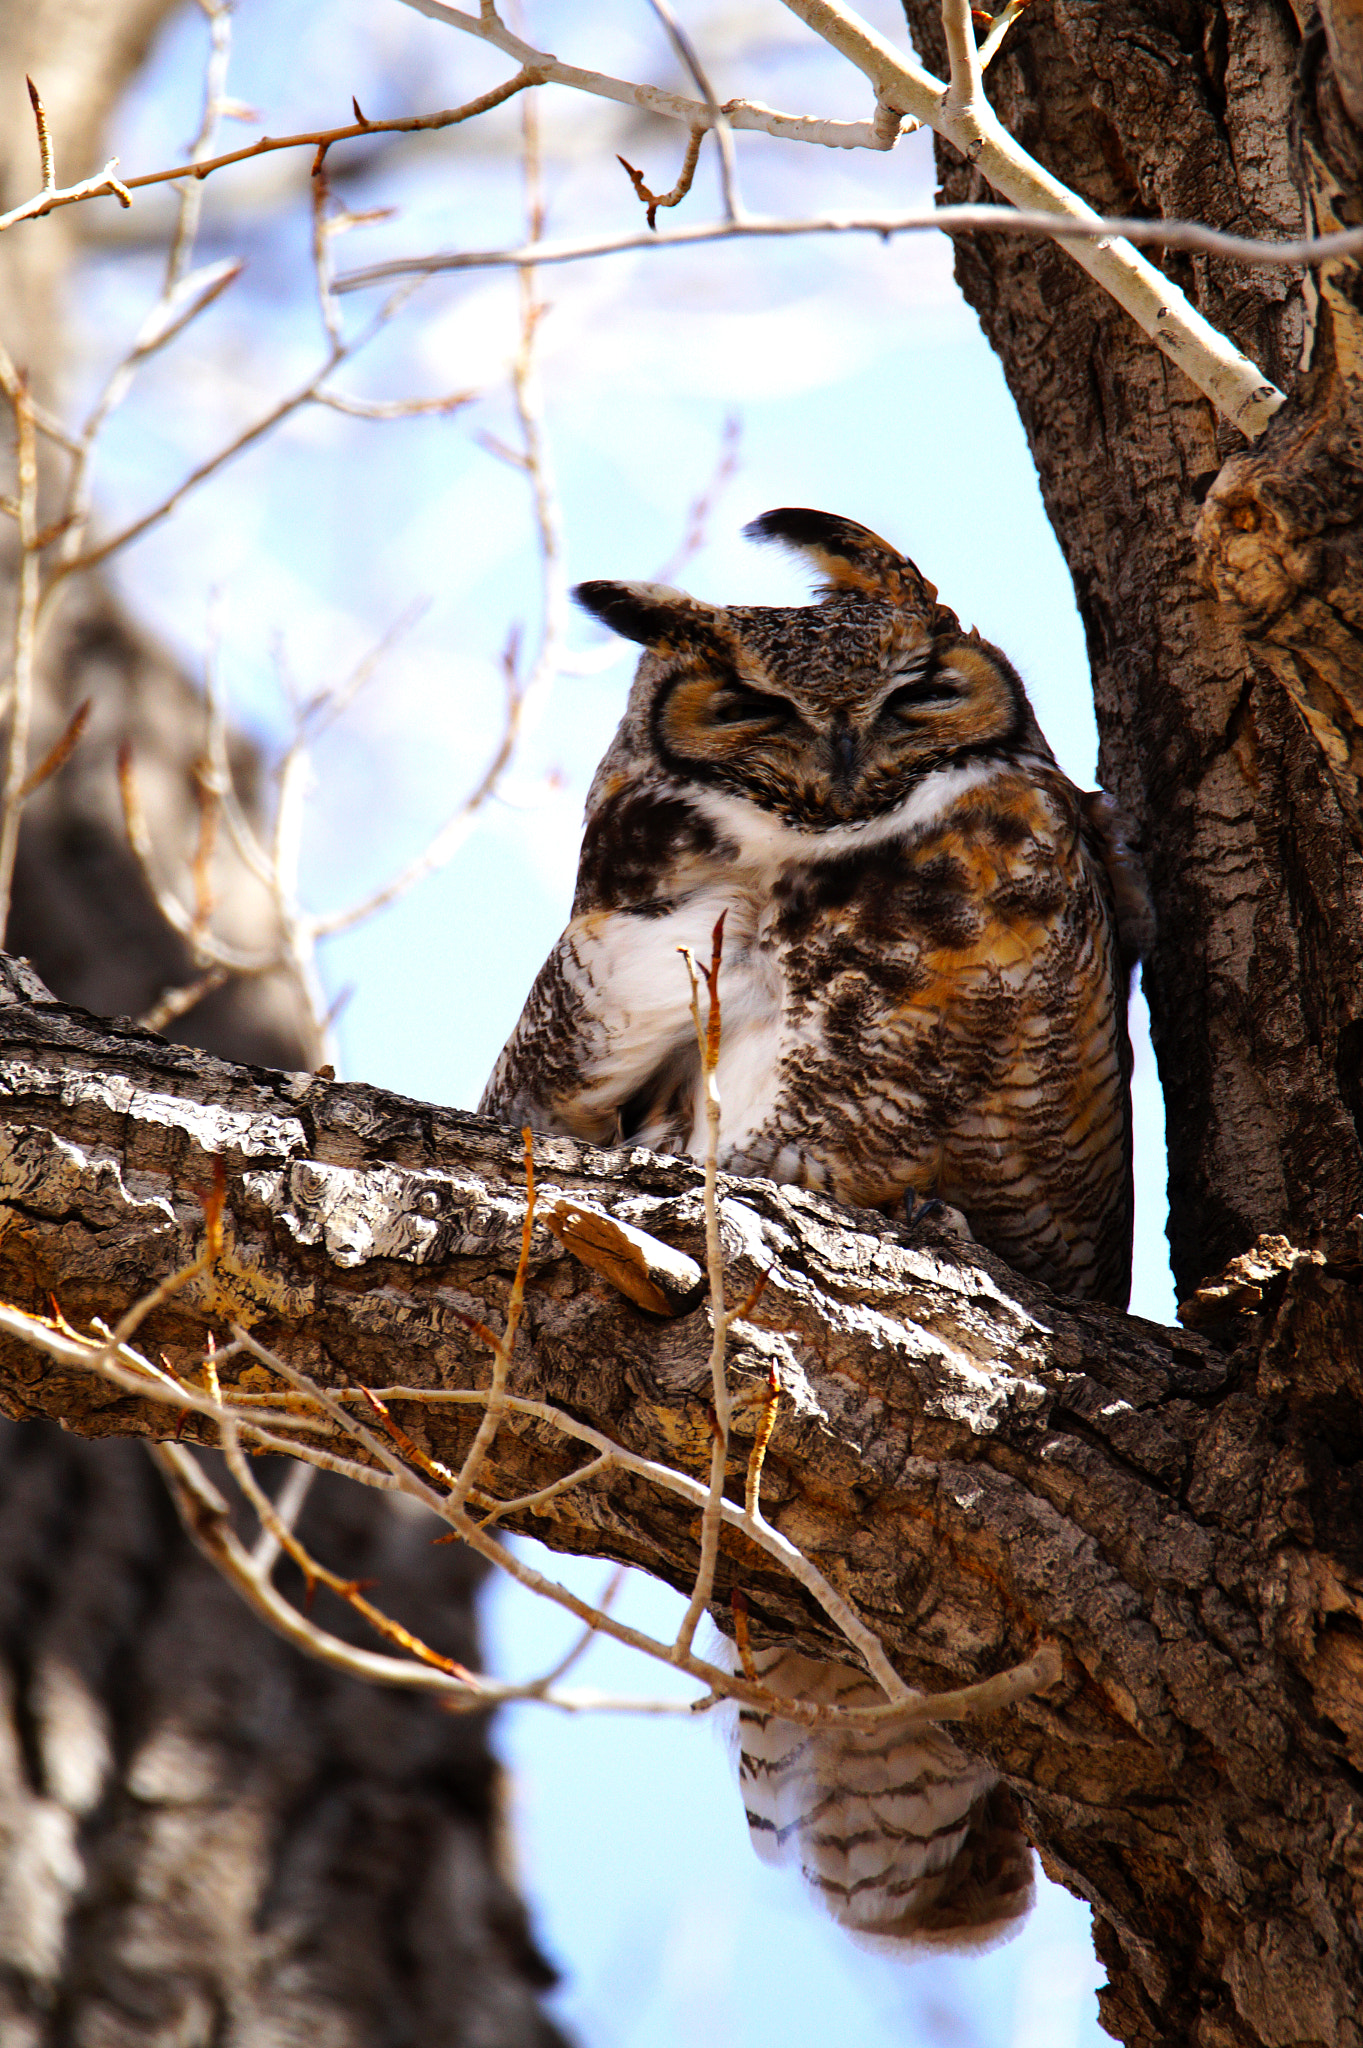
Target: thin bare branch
x=724, y=140
x=393, y=408
x=651, y=200
x=752, y=1492
x=212, y=950
x=60, y=752
x=708, y=1033
x=218, y=15
x=504, y=1348
x=998, y=30
x=12, y=791
x=173, y=1003
x=298, y=1482
x=1304, y=251
x=316, y=139
x=103, y=184
x=702, y=506
x=528, y=1502
x=744, y=114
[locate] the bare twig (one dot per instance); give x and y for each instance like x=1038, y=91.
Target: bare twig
x=102, y=185
x=211, y=950
x=12, y=791
x=178, y=1002
x=708, y=1033
x=724, y=140
x=702, y=506
x=288, y=1506
x=752, y=1492
x=316, y=139
x=503, y=1347
x=528, y=1502
x=219, y=18
x=1302, y=251
x=651, y=200
x=60, y=752
x=44, y=138
x=745, y=114
x=998, y=29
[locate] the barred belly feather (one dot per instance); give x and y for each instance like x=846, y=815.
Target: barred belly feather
x=903, y=1836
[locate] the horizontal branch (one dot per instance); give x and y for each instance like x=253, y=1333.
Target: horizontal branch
x=1304, y=251
x=652, y=99
x=978, y=1468
x=319, y=140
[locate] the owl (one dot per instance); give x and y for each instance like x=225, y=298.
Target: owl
x=927, y=946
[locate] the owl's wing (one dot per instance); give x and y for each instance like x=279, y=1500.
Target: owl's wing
x=606, y=1041
x=1109, y=832
x=904, y=1837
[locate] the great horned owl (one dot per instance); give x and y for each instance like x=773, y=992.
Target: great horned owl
x=927, y=945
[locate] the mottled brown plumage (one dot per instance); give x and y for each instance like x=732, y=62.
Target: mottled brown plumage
x=928, y=935
x=924, y=988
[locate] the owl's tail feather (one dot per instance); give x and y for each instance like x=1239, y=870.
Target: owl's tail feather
x=904, y=1837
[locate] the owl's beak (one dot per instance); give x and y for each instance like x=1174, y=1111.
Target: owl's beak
x=844, y=747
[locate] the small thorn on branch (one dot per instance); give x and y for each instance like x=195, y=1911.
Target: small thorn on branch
x=653, y=200
x=361, y=118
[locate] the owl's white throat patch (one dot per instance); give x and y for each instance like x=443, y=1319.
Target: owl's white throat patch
x=767, y=842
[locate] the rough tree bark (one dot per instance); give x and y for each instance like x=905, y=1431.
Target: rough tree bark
x=979, y=1464
x=1221, y=592
x=203, y=1835
x=1219, y=585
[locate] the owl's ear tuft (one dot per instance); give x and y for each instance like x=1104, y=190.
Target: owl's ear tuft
x=848, y=556
x=652, y=613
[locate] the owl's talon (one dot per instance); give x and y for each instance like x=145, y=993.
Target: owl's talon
x=937, y=1220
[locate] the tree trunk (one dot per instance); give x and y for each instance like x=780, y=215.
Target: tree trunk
x=980, y=1466
x=1220, y=590
x=1219, y=586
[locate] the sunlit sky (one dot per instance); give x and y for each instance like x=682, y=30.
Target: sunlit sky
x=859, y=383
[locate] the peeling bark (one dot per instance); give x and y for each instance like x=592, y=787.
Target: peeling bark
x=979, y=1464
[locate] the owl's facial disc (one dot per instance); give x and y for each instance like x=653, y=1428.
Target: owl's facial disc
x=824, y=748
x=822, y=715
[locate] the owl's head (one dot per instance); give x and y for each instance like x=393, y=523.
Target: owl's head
x=824, y=714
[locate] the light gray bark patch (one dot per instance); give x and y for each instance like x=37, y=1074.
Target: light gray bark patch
x=52, y=1177
x=212, y=1127
x=384, y=1212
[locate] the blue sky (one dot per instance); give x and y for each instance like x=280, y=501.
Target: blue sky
x=861, y=384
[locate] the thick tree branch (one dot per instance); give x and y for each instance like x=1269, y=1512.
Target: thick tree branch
x=976, y=1464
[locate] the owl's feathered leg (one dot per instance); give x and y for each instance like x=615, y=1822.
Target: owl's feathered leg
x=904, y=1837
